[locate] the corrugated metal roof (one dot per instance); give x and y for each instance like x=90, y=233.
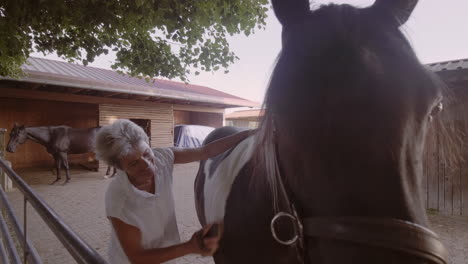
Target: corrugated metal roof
x=452, y=65
x=67, y=74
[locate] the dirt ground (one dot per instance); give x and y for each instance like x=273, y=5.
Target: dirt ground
x=80, y=204
x=453, y=231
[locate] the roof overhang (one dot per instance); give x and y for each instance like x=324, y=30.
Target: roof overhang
x=246, y=115
x=453, y=72
x=152, y=93
x=454, y=76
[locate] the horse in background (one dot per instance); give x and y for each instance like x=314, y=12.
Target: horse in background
x=108, y=172
x=334, y=174
x=59, y=141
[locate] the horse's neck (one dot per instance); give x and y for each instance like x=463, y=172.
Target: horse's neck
x=39, y=135
x=389, y=199
x=385, y=195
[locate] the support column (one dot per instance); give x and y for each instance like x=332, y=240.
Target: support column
x=5, y=181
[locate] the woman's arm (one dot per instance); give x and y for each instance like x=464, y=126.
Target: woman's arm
x=187, y=155
x=130, y=240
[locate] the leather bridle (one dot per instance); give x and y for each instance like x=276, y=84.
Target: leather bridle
x=385, y=233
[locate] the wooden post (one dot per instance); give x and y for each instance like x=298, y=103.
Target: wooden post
x=5, y=181
x=2, y=142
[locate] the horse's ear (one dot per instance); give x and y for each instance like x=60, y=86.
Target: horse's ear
x=399, y=9
x=16, y=124
x=290, y=11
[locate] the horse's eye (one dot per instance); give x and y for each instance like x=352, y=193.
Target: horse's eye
x=436, y=110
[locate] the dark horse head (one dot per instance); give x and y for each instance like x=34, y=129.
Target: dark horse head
x=18, y=136
x=348, y=108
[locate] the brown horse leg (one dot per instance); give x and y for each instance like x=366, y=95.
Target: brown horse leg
x=114, y=171
x=65, y=164
x=58, y=165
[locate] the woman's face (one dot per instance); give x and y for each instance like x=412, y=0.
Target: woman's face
x=139, y=164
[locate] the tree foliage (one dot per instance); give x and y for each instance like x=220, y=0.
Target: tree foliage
x=150, y=37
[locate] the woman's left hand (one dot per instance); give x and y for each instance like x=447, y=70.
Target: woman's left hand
x=206, y=241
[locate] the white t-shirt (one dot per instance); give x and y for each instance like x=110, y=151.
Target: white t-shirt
x=153, y=214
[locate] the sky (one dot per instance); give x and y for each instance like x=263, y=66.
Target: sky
x=438, y=31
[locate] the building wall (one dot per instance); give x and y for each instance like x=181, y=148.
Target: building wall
x=181, y=117
x=207, y=119
x=43, y=113
x=161, y=116
x=243, y=123
x=198, y=118
x=43, y=108
x=445, y=185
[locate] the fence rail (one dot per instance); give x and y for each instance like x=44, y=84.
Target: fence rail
x=77, y=247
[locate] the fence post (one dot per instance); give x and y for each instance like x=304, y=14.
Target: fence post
x=5, y=181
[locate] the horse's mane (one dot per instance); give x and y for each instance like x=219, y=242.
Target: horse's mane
x=265, y=158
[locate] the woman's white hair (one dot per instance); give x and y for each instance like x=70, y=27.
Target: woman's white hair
x=117, y=140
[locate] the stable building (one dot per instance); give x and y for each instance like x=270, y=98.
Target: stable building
x=245, y=118
x=446, y=185
x=59, y=93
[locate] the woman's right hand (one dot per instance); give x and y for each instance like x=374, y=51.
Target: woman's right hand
x=203, y=245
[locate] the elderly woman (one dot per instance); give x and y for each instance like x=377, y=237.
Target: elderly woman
x=139, y=201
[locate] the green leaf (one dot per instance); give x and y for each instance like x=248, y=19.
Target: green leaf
x=138, y=31
x=139, y=3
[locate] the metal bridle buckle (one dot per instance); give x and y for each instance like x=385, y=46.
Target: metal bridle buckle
x=273, y=230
